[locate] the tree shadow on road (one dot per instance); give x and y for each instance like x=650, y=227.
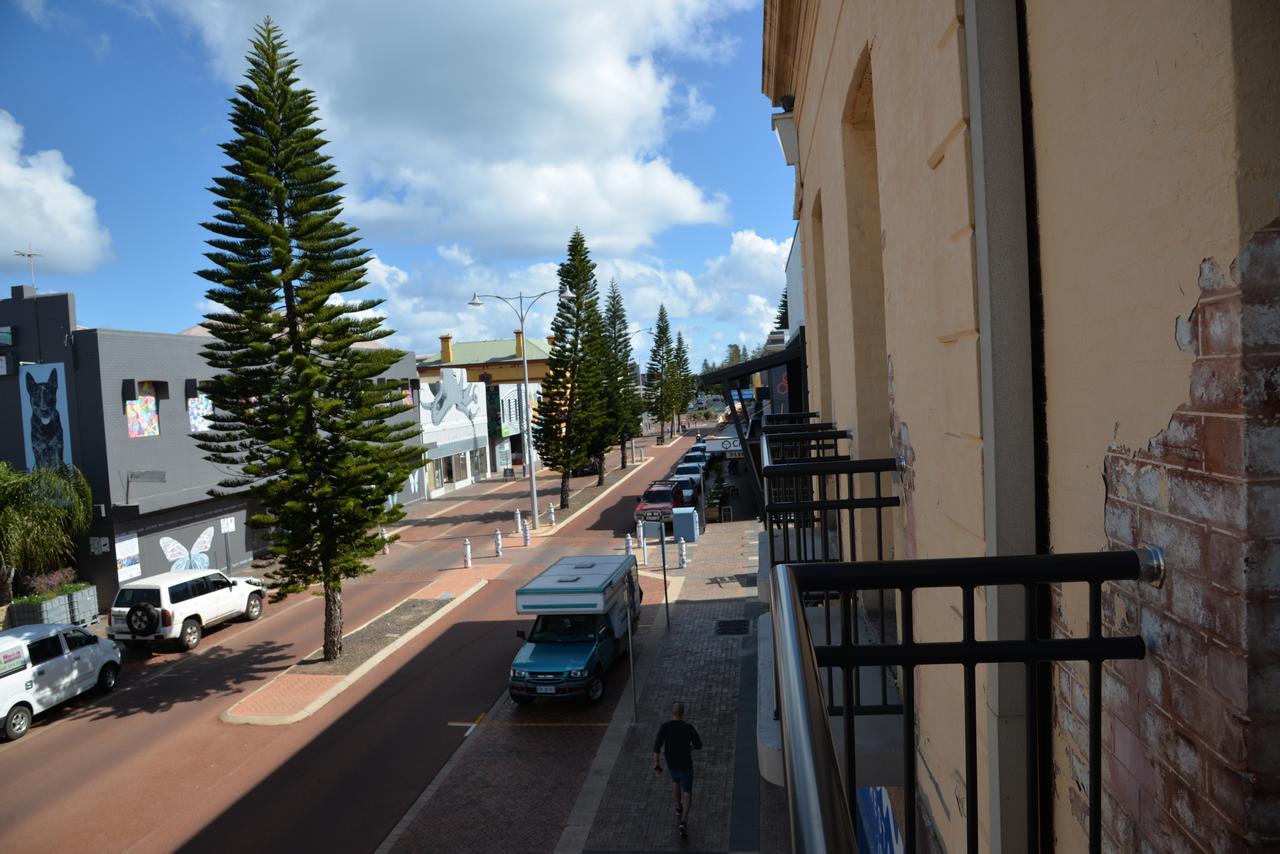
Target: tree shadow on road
x=221, y=671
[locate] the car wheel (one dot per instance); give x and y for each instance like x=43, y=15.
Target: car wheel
x=107, y=677
x=595, y=691
x=142, y=619
x=17, y=722
x=253, y=608
x=520, y=699
x=190, y=637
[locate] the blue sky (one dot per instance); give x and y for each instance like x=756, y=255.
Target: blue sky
x=472, y=141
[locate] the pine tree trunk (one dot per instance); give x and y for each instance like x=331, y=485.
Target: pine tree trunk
x=332, y=621
x=564, y=491
x=600, y=471
x=623, y=448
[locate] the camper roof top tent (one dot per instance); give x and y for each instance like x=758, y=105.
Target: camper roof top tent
x=575, y=585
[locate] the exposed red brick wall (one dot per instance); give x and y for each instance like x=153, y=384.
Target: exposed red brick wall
x=1191, y=734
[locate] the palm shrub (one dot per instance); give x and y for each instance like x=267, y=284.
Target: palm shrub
x=41, y=514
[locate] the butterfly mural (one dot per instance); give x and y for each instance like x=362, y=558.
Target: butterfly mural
x=180, y=558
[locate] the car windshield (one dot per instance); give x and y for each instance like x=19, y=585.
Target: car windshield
x=563, y=628
x=130, y=596
x=687, y=468
x=657, y=496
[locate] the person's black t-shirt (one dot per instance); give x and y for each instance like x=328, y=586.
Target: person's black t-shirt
x=680, y=739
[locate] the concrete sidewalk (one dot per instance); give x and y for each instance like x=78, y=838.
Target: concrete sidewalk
x=700, y=662
x=569, y=778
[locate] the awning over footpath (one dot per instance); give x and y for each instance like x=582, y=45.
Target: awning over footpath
x=784, y=389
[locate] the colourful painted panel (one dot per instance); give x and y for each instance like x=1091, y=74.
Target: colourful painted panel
x=199, y=409
x=142, y=414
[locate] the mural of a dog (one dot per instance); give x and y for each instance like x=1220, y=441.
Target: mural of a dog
x=47, y=436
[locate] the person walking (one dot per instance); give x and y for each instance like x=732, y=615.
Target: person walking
x=679, y=739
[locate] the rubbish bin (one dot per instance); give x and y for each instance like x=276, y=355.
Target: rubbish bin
x=684, y=523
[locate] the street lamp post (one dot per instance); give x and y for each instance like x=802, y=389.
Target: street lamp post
x=517, y=304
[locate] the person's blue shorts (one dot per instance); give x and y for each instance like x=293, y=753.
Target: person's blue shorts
x=684, y=777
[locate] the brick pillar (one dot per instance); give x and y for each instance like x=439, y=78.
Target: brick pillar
x=1192, y=733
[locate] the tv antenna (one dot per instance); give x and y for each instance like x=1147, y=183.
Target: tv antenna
x=31, y=260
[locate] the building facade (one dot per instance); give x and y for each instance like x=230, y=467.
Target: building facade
x=499, y=365
x=455, y=431
x=126, y=408
x=1041, y=267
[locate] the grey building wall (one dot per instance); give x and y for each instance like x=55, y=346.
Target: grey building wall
x=113, y=359
x=103, y=368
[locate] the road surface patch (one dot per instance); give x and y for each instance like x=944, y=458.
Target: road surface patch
x=574, y=511
x=241, y=713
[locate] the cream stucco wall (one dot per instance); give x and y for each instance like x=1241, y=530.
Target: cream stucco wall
x=1134, y=190
x=885, y=191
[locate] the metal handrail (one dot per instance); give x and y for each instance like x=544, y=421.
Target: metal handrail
x=799, y=661
x=817, y=800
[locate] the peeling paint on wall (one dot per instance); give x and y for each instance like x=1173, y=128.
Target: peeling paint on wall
x=1182, y=725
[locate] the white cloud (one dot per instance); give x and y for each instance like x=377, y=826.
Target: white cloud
x=35, y=10
x=455, y=253
x=695, y=110
x=422, y=307
x=734, y=298
x=99, y=45
x=42, y=206
x=499, y=129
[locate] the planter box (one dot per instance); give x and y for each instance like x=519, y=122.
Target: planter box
x=56, y=610
x=83, y=606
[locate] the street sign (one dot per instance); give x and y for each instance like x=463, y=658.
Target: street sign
x=725, y=444
x=227, y=524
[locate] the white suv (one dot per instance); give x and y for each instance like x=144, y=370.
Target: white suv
x=179, y=605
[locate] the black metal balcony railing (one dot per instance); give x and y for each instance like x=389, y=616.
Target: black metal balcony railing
x=809, y=507
x=812, y=493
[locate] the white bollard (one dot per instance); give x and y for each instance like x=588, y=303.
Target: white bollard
x=466, y=553
x=551, y=514
x=518, y=525
x=528, y=534
x=386, y=545
x=497, y=542
x=684, y=554
x=639, y=531
x=644, y=548
x=631, y=549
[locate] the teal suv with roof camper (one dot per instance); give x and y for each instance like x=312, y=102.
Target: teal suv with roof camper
x=580, y=630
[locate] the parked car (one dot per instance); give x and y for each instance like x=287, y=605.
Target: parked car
x=693, y=470
x=179, y=605
x=689, y=486
x=699, y=457
x=46, y=664
x=581, y=627
x=658, y=501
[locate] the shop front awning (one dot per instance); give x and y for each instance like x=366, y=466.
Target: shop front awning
x=782, y=387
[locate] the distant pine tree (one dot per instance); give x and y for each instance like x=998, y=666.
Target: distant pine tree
x=571, y=405
x=622, y=404
x=781, y=320
x=300, y=417
x=657, y=379
x=682, y=376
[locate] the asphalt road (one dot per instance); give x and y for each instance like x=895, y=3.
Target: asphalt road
x=151, y=767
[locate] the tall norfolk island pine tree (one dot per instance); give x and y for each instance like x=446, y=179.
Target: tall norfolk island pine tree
x=570, y=412
x=622, y=405
x=658, y=386
x=299, y=415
